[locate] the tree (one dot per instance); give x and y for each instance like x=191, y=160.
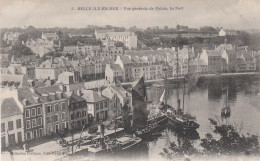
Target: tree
x=19, y=50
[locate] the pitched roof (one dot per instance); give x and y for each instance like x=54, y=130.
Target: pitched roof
x=120, y=90
x=29, y=95
x=213, y=53
x=22, y=80
x=92, y=96
x=76, y=98
x=10, y=107
x=116, y=67
x=47, y=89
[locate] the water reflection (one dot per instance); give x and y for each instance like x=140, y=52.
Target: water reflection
x=206, y=101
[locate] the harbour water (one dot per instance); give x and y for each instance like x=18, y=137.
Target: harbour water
x=205, y=101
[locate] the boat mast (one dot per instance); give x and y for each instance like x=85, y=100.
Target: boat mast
x=183, y=95
x=177, y=73
x=165, y=86
x=227, y=97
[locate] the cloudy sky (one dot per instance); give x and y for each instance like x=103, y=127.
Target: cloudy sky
x=233, y=14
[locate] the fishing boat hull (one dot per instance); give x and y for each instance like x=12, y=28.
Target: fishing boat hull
x=180, y=125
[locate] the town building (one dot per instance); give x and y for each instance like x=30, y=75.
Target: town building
x=41, y=46
x=50, y=69
x=118, y=98
x=212, y=59
x=32, y=113
x=230, y=57
x=11, y=37
x=126, y=64
x=54, y=108
x=50, y=36
x=246, y=62
x=128, y=38
x=226, y=32
x=114, y=73
x=12, y=126
x=71, y=82
x=78, y=111
x=97, y=104
x=85, y=68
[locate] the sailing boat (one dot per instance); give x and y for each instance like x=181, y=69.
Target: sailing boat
x=225, y=111
x=178, y=118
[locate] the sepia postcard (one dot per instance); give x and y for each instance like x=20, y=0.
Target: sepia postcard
x=157, y=80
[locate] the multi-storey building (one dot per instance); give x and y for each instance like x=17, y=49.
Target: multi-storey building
x=114, y=73
x=41, y=46
x=12, y=127
x=128, y=38
x=97, y=104
x=246, y=61
x=50, y=70
x=11, y=37
x=78, y=111
x=54, y=108
x=230, y=57
x=213, y=60
x=33, y=116
x=71, y=81
x=122, y=97
x=126, y=64
x=50, y=36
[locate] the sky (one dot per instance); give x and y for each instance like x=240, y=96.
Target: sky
x=230, y=14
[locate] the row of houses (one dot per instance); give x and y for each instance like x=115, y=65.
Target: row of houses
x=29, y=112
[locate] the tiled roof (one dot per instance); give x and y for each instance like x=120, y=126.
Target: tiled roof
x=28, y=94
x=10, y=107
x=120, y=90
x=213, y=53
x=116, y=67
x=125, y=60
x=92, y=96
x=19, y=79
x=47, y=89
x=76, y=98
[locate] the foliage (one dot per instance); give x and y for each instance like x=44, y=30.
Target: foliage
x=19, y=50
x=231, y=141
x=71, y=41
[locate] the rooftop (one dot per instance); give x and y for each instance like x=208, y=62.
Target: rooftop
x=10, y=107
x=92, y=96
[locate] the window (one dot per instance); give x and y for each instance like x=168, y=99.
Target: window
x=33, y=112
x=97, y=106
x=63, y=106
x=39, y=111
x=33, y=122
x=48, y=119
x=27, y=113
x=48, y=109
x=2, y=127
x=10, y=125
x=63, y=116
x=39, y=121
x=101, y=105
x=106, y=104
x=28, y=136
x=40, y=132
x=84, y=113
x=28, y=124
x=56, y=107
x=18, y=123
x=72, y=117
x=19, y=137
x=56, y=118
